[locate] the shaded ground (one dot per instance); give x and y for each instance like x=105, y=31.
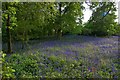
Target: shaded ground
x=95, y=52
x=74, y=45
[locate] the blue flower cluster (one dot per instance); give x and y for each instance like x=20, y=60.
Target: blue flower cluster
x=98, y=54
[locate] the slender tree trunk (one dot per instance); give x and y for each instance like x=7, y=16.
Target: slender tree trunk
x=59, y=26
x=9, y=43
x=25, y=40
x=59, y=33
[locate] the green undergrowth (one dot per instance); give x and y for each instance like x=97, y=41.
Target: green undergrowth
x=43, y=66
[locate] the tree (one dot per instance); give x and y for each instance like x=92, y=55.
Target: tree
x=36, y=20
x=102, y=20
x=68, y=14
x=9, y=21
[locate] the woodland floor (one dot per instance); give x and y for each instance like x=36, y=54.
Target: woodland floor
x=94, y=51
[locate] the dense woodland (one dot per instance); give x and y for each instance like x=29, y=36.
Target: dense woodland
x=27, y=21
x=24, y=21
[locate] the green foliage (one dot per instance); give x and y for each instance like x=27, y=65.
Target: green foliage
x=117, y=29
x=9, y=9
x=73, y=12
x=24, y=66
x=102, y=21
x=7, y=71
x=57, y=68
x=117, y=65
x=43, y=66
x=86, y=31
x=36, y=20
x=4, y=35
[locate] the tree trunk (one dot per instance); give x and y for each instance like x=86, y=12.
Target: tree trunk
x=9, y=43
x=60, y=14
x=25, y=40
x=59, y=33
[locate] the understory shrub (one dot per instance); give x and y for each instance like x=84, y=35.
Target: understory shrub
x=25, y=66
x=39, y=65
x=7, y=71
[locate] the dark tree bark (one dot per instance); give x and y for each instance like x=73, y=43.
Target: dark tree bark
x=9, y=43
